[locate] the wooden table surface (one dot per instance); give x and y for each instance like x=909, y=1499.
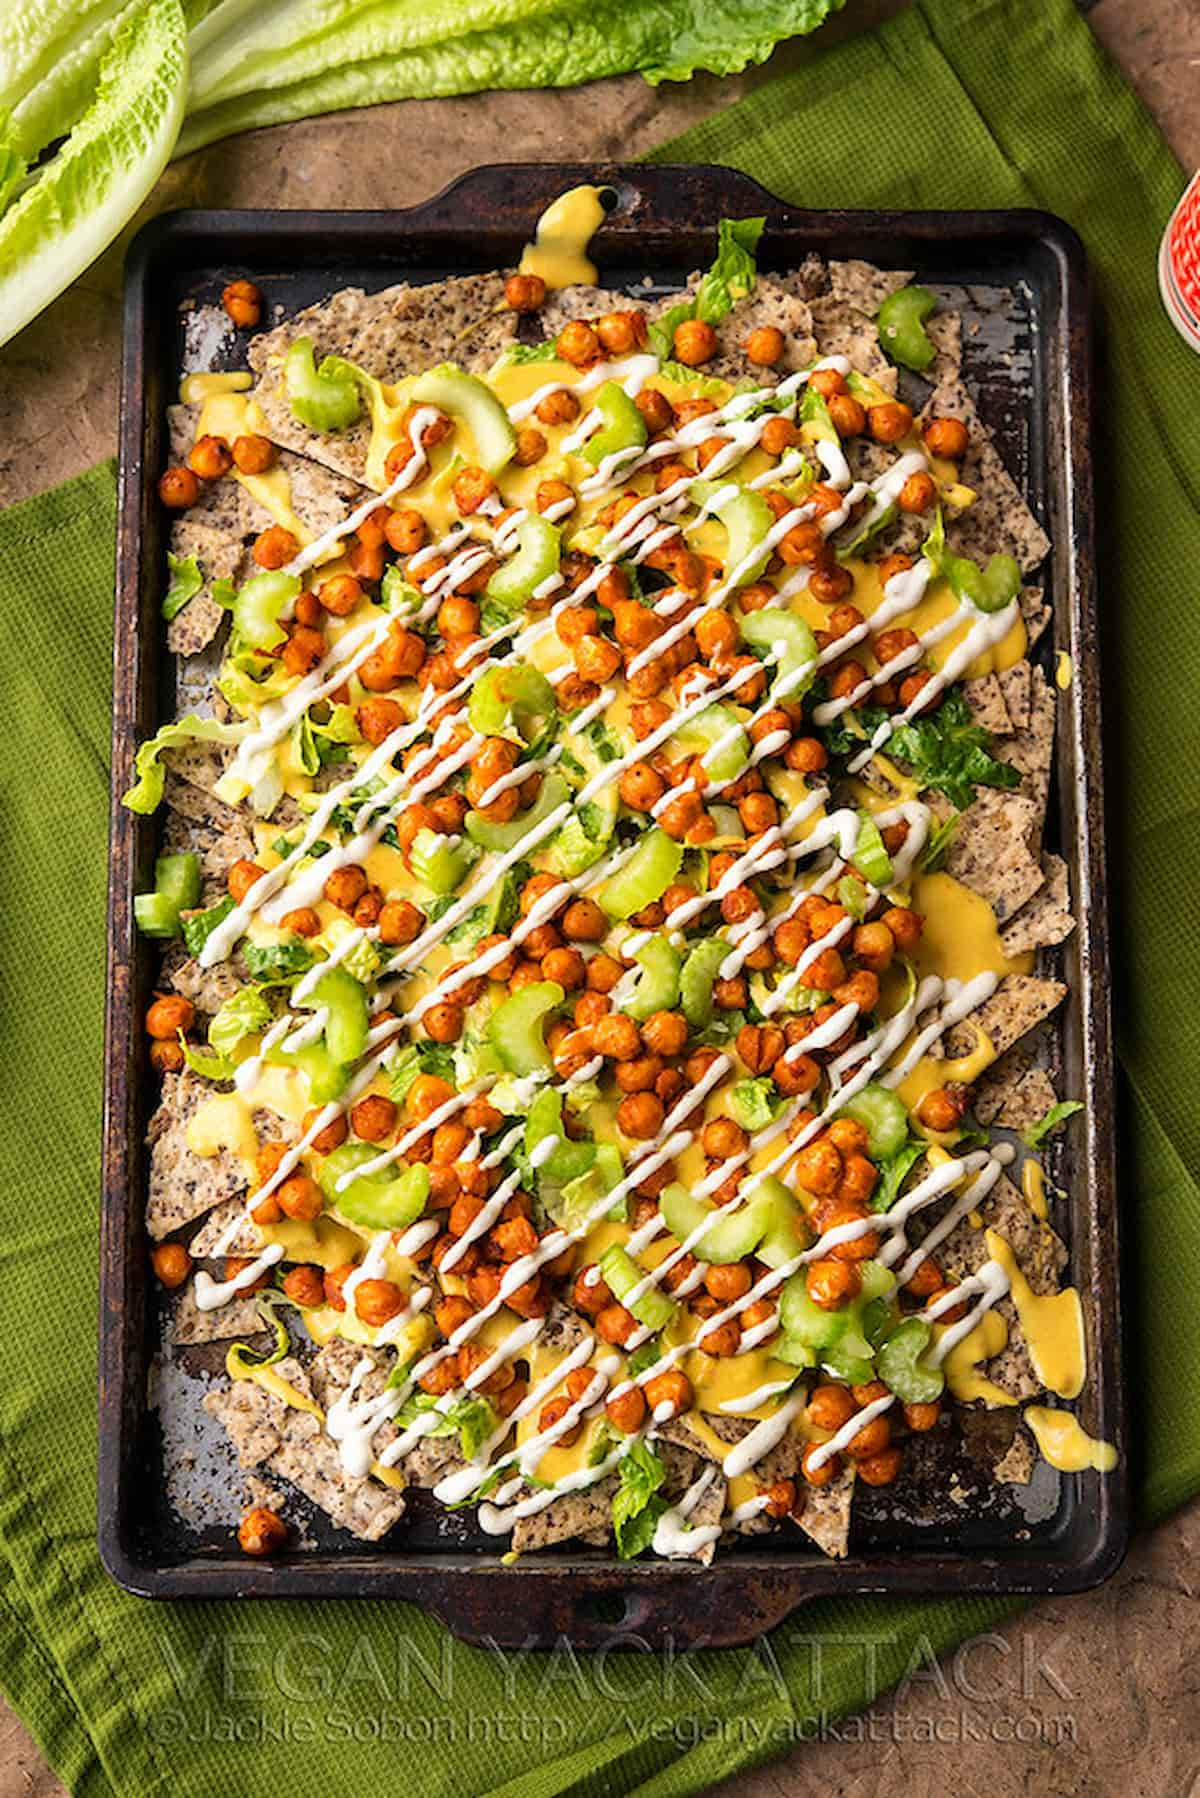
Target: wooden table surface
x=1092, y=1695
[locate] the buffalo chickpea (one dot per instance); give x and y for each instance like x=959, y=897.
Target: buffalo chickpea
x=941, y=1109
x=617, y=1038
x=829, y=1407
x=656, y=409
x=331, y=1137
x=377, y=718
x=566, y=966
x=377, y=1301
x=829, y=582
x=261, y=1532
x=905, y=926
x=616, y=1325
x=471, y=488
x=584, y=922
x=694, y=342
x=210, y=458
x=780, y=1498
x=832, y=1284
x=728, y=1282
x=550, y=1417
x=806, y=755
x=304, y=1286
x=640, y=1116
x=441, y=1378
x=590, y=1294
x=626, y=1411
x=171, y=1263
x=918, y=493
x=721, y=1341
x=819, y=1166
x=178, y=488
x=374, y=1118
x=578, y=344
x=301, y=922
x=303, y=650
x=672, y=1390
x=300, y=1198
x=558, y=408
x=346, y=886
x=235, y=1268
x=275, y=547
x=848, y=1136
x=764, y=346
x=665, y=1032
x=243, y=302
x=871, y=1439
x=169, y=1014
x=926, y=1280
x=848, y=416
x=253, y=454
x=603, y=973
x=334, y=1280
x=524, y=293
x=945, y=437
x=400, y=922
x=618, y=331
x=819, y=1473
x=443, y=1023
x=827, y=382
x=405, y=530
x=722, y=1137
x=890, y=422
x=760, y=1046
x=597, y=659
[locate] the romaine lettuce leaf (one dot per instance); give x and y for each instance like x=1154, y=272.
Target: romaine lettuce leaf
x=101, y=175
x=147, y=790
x=637, y=1505
x=578, y=41
x=186, y=582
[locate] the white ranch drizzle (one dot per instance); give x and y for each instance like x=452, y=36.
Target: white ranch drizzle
x=825, y=1451
x=677, y=1539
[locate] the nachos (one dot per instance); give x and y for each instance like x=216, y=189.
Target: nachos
x=605, y=907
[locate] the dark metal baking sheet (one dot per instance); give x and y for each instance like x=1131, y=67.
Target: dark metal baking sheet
x=1020, y=281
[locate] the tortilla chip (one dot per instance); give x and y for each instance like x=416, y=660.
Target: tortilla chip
x=563, y=304
x=583, y=1513
x=1032, y=749
x=1014, y=685
x=182, y=1185
x=217, y=848
x=1046, y=919
x=241, y=1317
x=247, y=1241
x=207, y=988
x=1014, y=1093
x=292, y=1445
x=220, y=554
x=989, y=851
x=839, y=333
x=463, y=319
x=1000, y=520
x=1034, y=611
x=985, y=697
x=825, y=1518
x=1019, y=1003
x=862, y=287
x=1041, y=1255
x=808, y=281
x=945, y=332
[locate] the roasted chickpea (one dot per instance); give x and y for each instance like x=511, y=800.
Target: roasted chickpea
x=879, y=1469
x=558, y=408
x=832, y=1284
x=905, y=927
x=331, y=1137
x=471, y=488
x=656, y=409
x=374, y=1118
x=764, y=346
x=178, y=488
x=890, y=421
x=694, y=343
x=169, y=1014
x=300, y=1198
x=728, y=1282
x=584, y=922
x=618, y=332
x=171, y=1263
x=871, y=1438
x=253, y=454
x=211, y=457
x=603, y=973
x=301, y=922
x=672, y=1390
x=616, y=1325
x=942, y=1109
x=346, y=886
x=578, y=344
x=524, y=293
x=597, y=659
x=304, y=1286
x=665, y=1033
x=275, y=547
x=261, y=1532
x=829, y=582
x=243, y=302
x=848, y=416
x=627, y=1411
x=640, y=1116
x=946, y=437
x=918, y=493
x=819, y=1473
x=806, y=755
x=377, y=1301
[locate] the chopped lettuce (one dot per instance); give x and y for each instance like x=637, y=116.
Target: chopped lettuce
x=245, y=1013
x=273, y=963
x=199, y=927
x=186, y=582
x=1049, y=1122
x=470, y=1418
x=729, y=280
x=949, y=752
x=937, y=846
x=754, y=1103
x=893, y=1171
x=637, y=1503
x=147, y=791
x=209, y=1067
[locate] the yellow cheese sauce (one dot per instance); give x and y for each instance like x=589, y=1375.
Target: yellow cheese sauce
x=1064, y=671
x=1033, y=1186
x=1065, y=1444
x=195, y=389
x=937, y=604
x=223, y=1122
x=1052, y=1325
x=962, y=1365
x=559, y=250
x=960, y=937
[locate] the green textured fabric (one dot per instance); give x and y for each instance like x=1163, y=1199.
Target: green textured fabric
x=952, y=104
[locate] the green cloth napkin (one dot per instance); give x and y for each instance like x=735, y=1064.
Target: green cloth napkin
x=974, y=103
